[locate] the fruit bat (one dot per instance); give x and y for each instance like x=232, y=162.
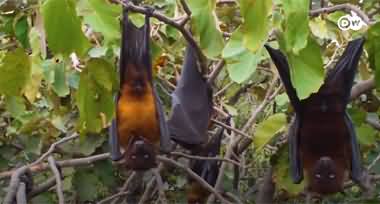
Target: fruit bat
x=206, y=169
x=139, y=127
x=322, y=139
x=191, y=105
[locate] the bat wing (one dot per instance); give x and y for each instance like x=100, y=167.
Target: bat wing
x=209, y=169
x=356, y=168
x=282, y=66
x=296, y=170
x=135, y=48
x=341, y=78
x=165, y=145
x=114, y=140
x=191, y=105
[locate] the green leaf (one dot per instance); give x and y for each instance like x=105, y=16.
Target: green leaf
x=282, y=174
x=296, y=27
x=84, y=147
x=205, y=27
x=256, y=22
x=373, y=47
x=21, y=31
x=103, y=18
x=55, y=74
x=241, y=63
x=15, y=105
x=366, y=135
x=102, y=72
x=63, y=27
x=86, y=185
x=94, y=97
x=15, y=72
x=241, y=68
x=267, y=129
x=306, y=69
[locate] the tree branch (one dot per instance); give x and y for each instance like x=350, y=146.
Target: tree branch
x=362, y=87
x=343, y=7
x=57, y=175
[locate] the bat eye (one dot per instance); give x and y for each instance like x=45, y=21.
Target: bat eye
x=318, y=176
x=331, y=176
x=133, y=157
x=146, y=156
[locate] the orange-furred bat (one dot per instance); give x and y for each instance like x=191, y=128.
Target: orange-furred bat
x=322, y=139
x=207, y=169
x=140, y=127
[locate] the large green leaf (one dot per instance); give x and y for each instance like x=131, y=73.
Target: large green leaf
x=296, y=27
x=256, y=22
x=93, y=99
x=86, y=185
x=21, y=31
x=241, y=63
x=267, y=129
x=373, y=47
x=55, y=74
x=63, y=27
x=306, y=69
x=103, y=17
x=15, y=72
x=205, y=27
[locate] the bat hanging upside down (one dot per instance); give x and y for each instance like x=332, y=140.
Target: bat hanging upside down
x=140, y=126
x=322, y=139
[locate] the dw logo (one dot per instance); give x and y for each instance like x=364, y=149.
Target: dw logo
x=353, y=22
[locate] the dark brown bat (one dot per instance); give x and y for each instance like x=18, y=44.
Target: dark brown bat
x=207, y=169
x=140, y=126
x=322, y=139
x=191, y=105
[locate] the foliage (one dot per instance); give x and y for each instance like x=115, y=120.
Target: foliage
x=45, y=94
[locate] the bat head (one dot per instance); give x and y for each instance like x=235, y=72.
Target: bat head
x=137, y=81
x=140, y=155
x=325, y=177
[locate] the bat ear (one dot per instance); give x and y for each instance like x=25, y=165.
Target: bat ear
x=342, y=76
x=279, y=59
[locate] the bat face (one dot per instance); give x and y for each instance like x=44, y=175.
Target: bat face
x=136, y=81
x=140, y=155
x=325, y=177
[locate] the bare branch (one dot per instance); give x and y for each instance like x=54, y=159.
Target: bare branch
x=50, y=182
x=185, y=7
x=194, y=176
x=343, y=7
x=362, y=87
x=14, y=184
x=231, y=128
x=218, y=68
x=21, y=194
x=57, y=174
x=160, y=186
x=65, y=163
x=52, y=148
x=181, y=154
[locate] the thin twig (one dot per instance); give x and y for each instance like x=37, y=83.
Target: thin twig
x=185, y=7
x=53, y=146
x=194, y=176
x=160, y=186
x=181, y=154
x=57, y=174
x=110, y=198
x=231, y=128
